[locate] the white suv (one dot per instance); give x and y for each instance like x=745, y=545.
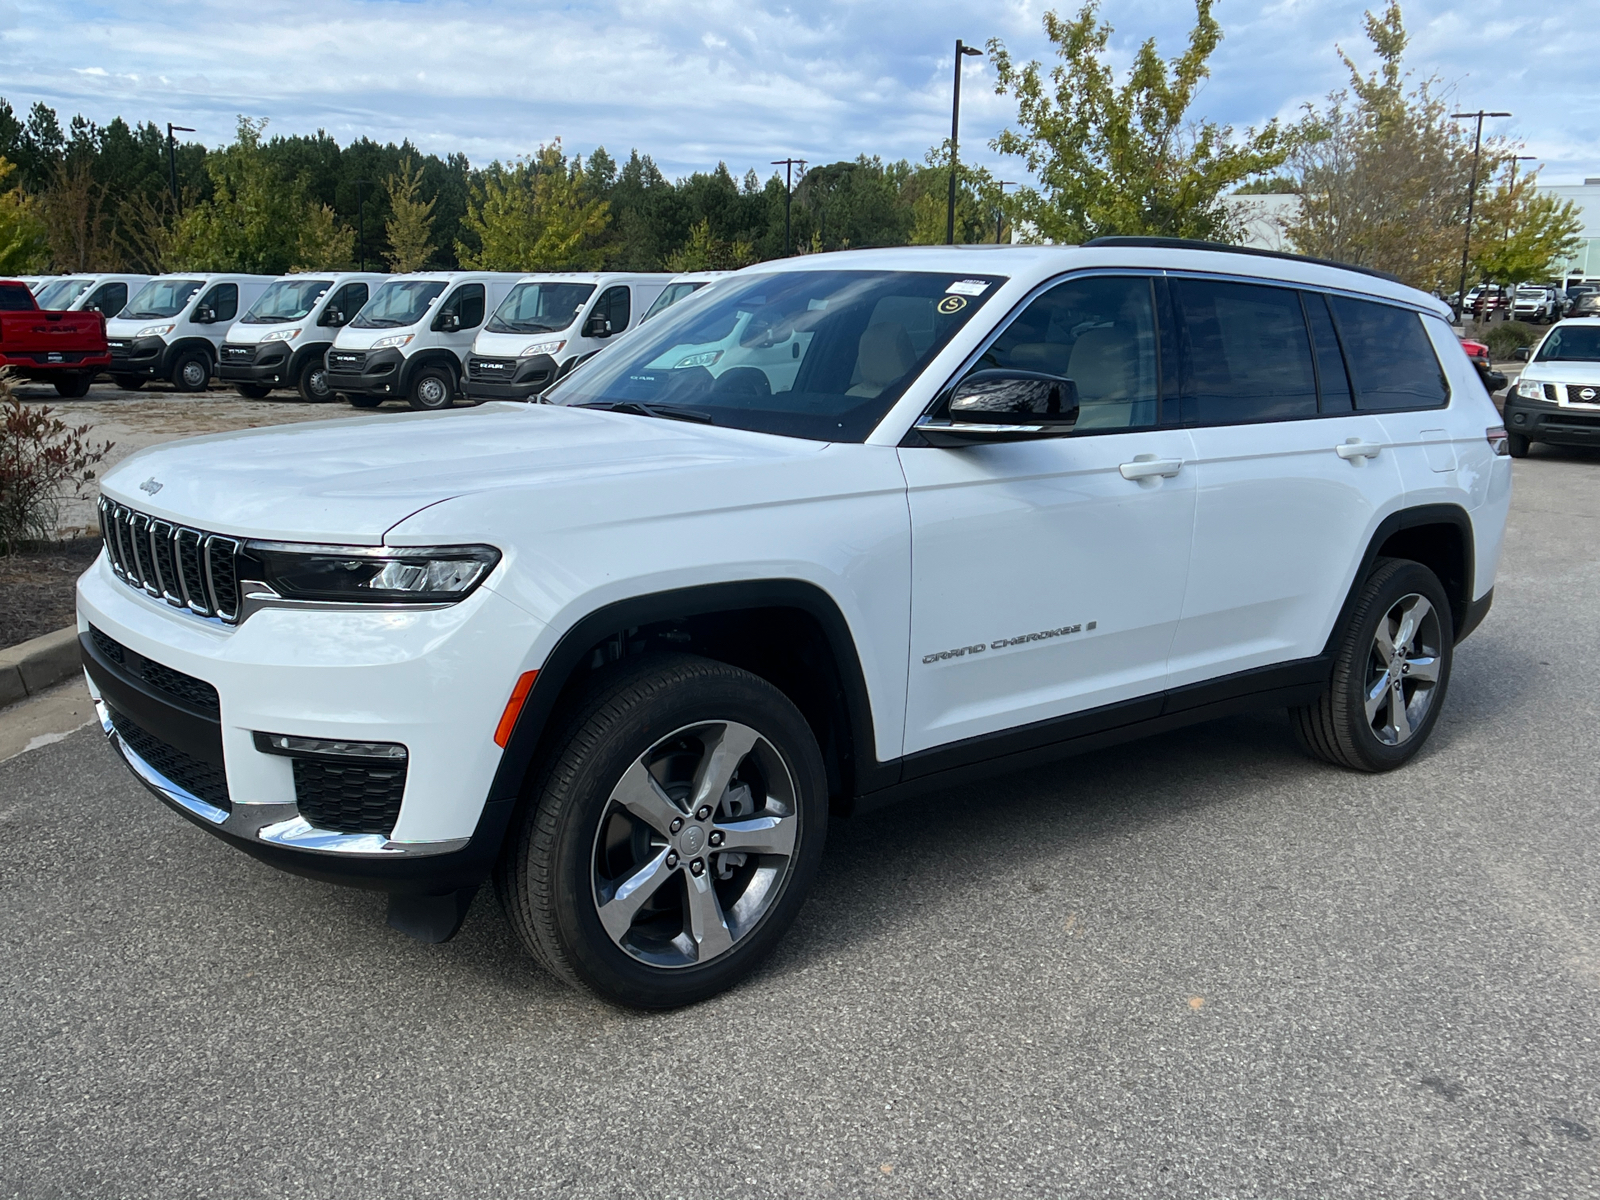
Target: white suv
x=930, y=514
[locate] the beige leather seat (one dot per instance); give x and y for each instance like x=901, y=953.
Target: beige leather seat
x=883, y=355
x=1103, y=366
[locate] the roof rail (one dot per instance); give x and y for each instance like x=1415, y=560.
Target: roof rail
x=1175, y=243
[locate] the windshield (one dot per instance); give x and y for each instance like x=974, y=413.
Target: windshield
x=813, y=354
x=539, y=307
x=1530, y=293
x=287, y=300
x=62, y=292
x=672, y=294
x=1571, y=343
x=398, y=304
x=161, y=298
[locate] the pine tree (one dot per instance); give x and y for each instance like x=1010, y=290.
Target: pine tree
x=410, y=225
x=532, y=216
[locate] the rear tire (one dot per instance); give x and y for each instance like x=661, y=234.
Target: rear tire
x=74, y=386
x=432, y=389
x=128, y=383
x=357, y=400
x=1391, y=669
x=253, y=391
x=612, y=876
x=192, y=372
x=313, y=382
x=1517, y=445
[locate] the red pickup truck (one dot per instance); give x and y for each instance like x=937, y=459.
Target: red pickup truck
x=67, y=348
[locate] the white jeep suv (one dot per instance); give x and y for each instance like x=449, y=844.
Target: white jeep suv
x=931, y=513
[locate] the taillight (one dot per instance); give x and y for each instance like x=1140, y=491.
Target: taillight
x=1497, y=440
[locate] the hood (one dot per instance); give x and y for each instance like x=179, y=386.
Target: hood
x=351, y=338
x=511, y=345
x=350, y=480
x=121, y=327
x=1563, y=372
x=242, y=334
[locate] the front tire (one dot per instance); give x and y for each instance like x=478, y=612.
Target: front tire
x=673, y=836
x=357, y=400
x=1517, y=445
x=128, y=383
x=432, y=389
x=192, y=372
x=253, y=391
x=1391, y=668
x=313, y=382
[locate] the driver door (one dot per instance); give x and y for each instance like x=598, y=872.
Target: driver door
x=1048, y=575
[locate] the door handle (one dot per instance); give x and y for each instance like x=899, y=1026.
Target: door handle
x=1148, y=466
x=1354, y=448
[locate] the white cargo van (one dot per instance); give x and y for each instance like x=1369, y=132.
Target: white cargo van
x=681, y=287
x=413, y=336
x=106, y=294
x=549, y=323
x=173, y=327
x=283, y=339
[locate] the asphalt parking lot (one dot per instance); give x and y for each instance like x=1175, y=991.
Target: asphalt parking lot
x=1200, y=966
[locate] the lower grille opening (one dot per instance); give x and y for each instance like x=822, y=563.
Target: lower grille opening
x=205, y=780
x=349, y=796
x=196, y=693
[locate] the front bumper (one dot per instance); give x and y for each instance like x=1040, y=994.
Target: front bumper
x=490, y=378
x=266, y=362
x=365, y=372
x=1556, y=424
x=138, y=356
x=425, y=680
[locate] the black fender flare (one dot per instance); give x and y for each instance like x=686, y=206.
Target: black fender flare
x=297, y=360
x=169, y=357
x=522, y=747
x=437, y=357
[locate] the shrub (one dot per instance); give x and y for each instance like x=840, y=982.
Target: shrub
x=1503, y=337
x=41, y=457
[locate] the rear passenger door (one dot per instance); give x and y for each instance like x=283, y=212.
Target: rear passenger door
x=1292, y=476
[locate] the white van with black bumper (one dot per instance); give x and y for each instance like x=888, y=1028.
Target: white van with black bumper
x=172, y=328
x=548, y=324
x=281, y=342
x=104, y=294
x=411, y=339
x=931, y=514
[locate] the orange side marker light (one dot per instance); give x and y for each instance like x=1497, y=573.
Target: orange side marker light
x=508, y=719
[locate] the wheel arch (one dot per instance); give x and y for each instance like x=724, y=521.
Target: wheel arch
x=437, y=356
x=297, y=360
x=788, y=631
x=1440, y=537
x=176, y=350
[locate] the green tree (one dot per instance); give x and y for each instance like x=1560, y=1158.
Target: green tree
x=1518, y=234
x=532, y=216
x=24, y=240
x=254, y=218
x=326, y=243
x=410, y=224
x=706, y=252
x=981, y=205
x=1125, y=158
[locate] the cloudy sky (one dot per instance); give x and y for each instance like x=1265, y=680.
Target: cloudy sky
x=697, y=81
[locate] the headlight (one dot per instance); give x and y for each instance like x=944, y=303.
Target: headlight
x=542, y=348
x=368, y=574
x=281, y=335
x=700, y=360
x=155, y=331
x=395, y=340
x=1530, y=389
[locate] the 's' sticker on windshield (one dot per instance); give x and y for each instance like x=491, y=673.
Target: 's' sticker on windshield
x=951, y=305
x=967, y=287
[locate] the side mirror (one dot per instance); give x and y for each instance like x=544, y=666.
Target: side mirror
x=332, y=318
x=204, y=315
x=449, y=323
x=597, y=327
x=1521, y=353
x=1002, y=405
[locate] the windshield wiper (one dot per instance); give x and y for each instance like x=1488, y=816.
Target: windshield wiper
x=640, y=409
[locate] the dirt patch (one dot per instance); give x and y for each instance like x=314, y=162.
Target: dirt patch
x=36, y=589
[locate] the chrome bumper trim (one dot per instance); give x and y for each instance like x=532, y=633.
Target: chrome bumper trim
x=276, y=824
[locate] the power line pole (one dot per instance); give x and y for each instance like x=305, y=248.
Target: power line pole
x=1000, y=212
x=361, y=224
x=962, y=50
x=172, y=162
x=1472, y=192
x=788, y=165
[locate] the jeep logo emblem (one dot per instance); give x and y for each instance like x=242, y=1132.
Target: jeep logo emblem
x=150, y=485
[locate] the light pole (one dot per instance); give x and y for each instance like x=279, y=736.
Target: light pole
x=962, y=50
x=788, y=165
x=172, y=161
x=1472, y=192
x=1000, y=213
x=361, y=224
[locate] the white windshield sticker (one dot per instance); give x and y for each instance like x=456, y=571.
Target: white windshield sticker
x=967, y=287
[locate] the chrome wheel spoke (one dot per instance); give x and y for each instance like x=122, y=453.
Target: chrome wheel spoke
x=623, y=904
x=1376, y=696
x=1399, y=719
x=1384, y=642
x=1411, y=619
x=722, y=760
x=640, y=794
x=1423, y=670
x=707, y=926
x=759, y=835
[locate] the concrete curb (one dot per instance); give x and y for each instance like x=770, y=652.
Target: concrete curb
x=29, y=668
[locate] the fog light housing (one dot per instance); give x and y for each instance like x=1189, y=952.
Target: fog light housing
x=289, y=744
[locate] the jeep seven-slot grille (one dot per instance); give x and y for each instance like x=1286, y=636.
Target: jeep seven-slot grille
x=188, y=568
x=349, y=796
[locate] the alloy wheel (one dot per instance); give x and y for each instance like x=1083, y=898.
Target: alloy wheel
x=695, y=844
x=1403, y=669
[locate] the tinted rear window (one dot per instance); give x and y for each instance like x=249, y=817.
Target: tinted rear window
x=1390, y=356
x=15, y=298
x=1249, y=356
